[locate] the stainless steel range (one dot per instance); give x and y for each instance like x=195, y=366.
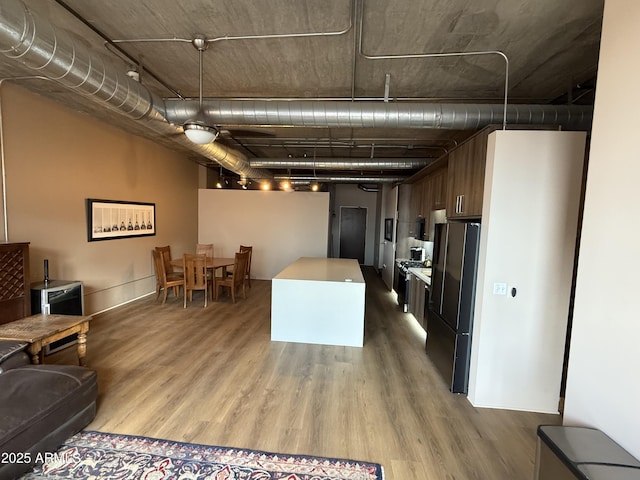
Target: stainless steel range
x=401, y=285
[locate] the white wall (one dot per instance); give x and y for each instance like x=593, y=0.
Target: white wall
x=529, y=224
x=280, y=226
x=388, y=248
x=603, y=390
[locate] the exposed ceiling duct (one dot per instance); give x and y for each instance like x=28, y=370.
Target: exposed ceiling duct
x=378, y=114
x=48, y=51
x=32, y=41
x=334, y=163
x=340, y=178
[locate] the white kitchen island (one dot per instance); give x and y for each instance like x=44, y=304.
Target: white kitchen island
x=319, y=300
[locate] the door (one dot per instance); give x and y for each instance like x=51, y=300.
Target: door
x=353, y=225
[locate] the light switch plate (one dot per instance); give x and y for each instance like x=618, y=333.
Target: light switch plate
x=499, y=288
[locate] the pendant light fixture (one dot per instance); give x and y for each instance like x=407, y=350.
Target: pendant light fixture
x=196, y=129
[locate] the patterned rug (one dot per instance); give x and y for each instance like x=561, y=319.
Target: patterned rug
x=97, y=455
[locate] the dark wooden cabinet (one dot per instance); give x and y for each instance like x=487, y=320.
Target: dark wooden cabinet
x=416, y=209
x=438, y=182
x=417, y=298
x=466, y=178
x=432, y=190
x=15, y=299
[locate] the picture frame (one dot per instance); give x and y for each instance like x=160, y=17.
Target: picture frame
x=113, y=219
x=388, y=229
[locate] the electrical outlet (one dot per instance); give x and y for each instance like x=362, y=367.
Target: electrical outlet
x=499, y=288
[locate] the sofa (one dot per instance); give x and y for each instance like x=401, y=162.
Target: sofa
x=40, y=407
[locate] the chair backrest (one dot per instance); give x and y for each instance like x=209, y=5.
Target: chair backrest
x=158, y=265
x=195, y=271
x=240, y=264
x=166, y=255
x=245, y=248
x=204, y=248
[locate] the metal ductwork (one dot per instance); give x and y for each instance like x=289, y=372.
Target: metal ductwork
x=339, y=178
x=32, y=41
x=342, y=163
x=346, y=114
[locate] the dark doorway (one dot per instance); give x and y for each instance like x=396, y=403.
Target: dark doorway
x=353, y=226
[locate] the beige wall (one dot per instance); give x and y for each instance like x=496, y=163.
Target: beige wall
x=74, y=157
x=603, y=390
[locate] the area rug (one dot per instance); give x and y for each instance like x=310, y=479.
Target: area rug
x=97, y=455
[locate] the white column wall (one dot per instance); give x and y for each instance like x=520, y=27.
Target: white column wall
x=603, y=387
x=529, y=223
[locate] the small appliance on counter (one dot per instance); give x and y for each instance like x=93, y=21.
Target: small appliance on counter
x=417, y=254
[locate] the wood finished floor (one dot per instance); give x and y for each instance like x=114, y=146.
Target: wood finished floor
x=213, y=376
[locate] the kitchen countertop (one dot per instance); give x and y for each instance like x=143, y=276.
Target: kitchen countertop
x=423, y=274
x=323, y=269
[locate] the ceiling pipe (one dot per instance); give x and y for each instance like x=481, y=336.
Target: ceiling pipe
x=369, y=188
x=342, y=163
x=340, y=179
x=268, y=36
x=30, y=40
x=443, y=55
x=378, y=115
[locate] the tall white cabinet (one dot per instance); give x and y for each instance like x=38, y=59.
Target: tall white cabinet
x=529, y=222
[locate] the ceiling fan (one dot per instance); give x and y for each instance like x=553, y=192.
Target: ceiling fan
x=196, y=129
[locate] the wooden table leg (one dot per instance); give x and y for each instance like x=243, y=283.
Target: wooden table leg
x=34, y=350
x=82, y=345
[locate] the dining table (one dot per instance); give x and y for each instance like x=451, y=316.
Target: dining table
x=213, y=263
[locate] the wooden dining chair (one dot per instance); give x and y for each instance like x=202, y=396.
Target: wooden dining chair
x=245, y=248
x=166, y=252
x=236, y=279
x=204, y=248
x=195, y=276
x=164, y=280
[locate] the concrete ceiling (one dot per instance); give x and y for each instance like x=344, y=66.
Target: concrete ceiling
x=551, y=46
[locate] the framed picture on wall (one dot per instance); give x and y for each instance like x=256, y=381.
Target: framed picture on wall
x=111, y=219
x=388, y=229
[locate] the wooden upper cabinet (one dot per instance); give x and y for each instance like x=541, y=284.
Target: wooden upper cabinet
x=433, y=195
x=416, y=209
x=466, y=178
x=439, y=188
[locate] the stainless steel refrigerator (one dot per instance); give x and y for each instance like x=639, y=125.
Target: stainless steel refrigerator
x=451, y=304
